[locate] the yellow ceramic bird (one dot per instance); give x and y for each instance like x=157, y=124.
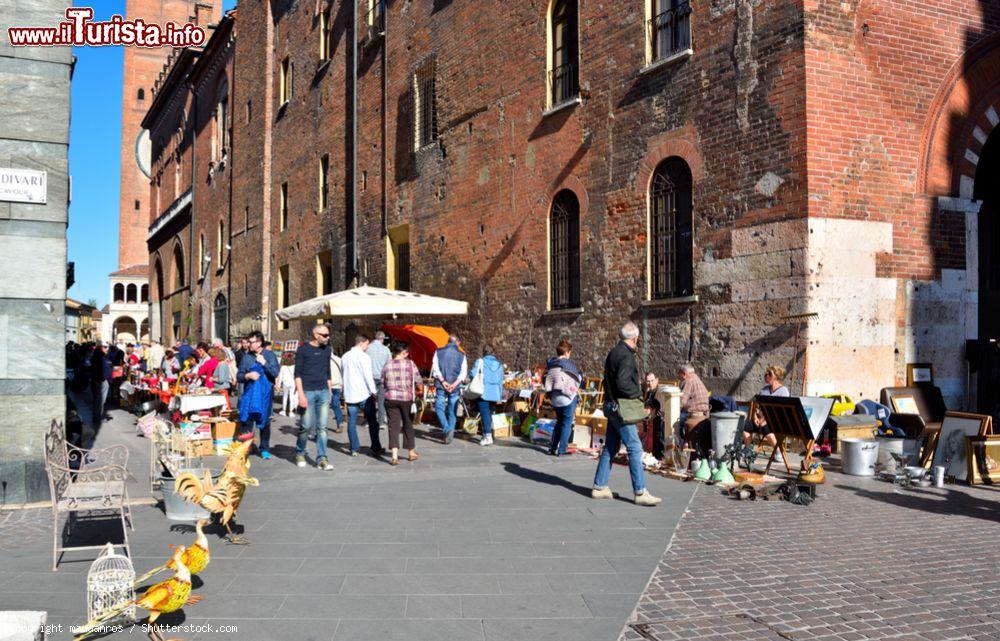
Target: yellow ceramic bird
x=164, y=597
x=196, y=556
x=224, y=497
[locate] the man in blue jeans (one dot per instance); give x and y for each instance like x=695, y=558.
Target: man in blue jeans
x=621, y=382
x=312, y=382
x=449, y=369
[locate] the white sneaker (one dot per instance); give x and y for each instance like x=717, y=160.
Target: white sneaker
x=486, y=440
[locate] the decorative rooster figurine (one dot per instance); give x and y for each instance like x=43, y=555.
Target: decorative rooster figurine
x=164, y=597
x=196, y=556
x=225, y=496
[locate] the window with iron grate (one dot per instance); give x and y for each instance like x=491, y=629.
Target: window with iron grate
x=425, y=105
x=671, y=238
x=564, y=251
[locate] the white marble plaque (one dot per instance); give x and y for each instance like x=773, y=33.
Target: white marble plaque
x=23, y=185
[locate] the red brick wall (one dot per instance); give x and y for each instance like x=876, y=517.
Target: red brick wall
x=140, y=70
x=477, y=202
x=875, y=70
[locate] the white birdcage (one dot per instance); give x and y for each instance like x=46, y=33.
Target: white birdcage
x=110, y=583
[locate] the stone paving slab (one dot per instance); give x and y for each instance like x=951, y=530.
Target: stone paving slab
x=868, y=560
x=496, y=543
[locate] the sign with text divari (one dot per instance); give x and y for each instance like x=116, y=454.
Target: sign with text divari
x=23, y=185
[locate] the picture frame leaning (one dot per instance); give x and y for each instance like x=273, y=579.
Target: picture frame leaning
x=951, y=452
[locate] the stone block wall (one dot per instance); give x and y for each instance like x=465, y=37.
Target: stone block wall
x=34, y=134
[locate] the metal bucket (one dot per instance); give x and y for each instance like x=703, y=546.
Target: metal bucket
x=725, y=425
x=859, y=456
x=176, y=507
x=907, y=446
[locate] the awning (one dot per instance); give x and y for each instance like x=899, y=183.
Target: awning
x=372, y=301
x=423, y=340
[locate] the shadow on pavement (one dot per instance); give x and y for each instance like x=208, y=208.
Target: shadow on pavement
x=952, y=503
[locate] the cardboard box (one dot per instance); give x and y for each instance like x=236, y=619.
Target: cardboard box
x=581, y=435
x=223, y=446
x=222, y=430
x=201, y=447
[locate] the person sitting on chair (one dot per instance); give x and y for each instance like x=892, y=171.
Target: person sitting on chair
x=773, y=386
x=693, y=425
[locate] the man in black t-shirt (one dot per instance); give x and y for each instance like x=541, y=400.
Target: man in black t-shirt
x=312, y=382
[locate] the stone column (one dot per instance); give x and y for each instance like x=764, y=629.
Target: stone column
x=34, y=135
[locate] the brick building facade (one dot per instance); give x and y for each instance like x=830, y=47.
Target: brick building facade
x=189, y=130
x=705, y=169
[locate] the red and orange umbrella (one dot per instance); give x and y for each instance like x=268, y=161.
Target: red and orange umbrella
x=424, y=340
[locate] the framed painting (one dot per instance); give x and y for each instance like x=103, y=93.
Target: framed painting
x=951, y=449
x=983, y=458
x=919, y=374
x=904, y=404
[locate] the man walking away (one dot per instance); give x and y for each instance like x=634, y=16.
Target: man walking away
x=622, y=394
x=449, y=369
x=380, y=355
x=359, y=394
x=156, y=353
x=312, y=382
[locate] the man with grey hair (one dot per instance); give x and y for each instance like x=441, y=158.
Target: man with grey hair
x=448, y=368
x=622, y=397
x=693, y=423
x=380, y=355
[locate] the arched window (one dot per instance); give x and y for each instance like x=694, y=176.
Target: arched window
x=220, y=122
x=131, y=293
x=119, y=293
x=177, y=280
x=564, y=52
x=158, y=273
x=141, y=94
x=200, y=256
x=220, y=244
x=564, y=251
x=671, y=239
x=220, y=319
x=144, y=293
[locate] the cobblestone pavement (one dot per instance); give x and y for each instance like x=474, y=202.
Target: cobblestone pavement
x=868, y=560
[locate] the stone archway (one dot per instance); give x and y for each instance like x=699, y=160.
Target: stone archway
x=124, y=329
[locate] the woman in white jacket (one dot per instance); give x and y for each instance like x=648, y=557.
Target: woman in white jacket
x=286, y=384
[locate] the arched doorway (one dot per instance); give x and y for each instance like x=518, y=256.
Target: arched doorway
x=125, y=329
x=220, y=319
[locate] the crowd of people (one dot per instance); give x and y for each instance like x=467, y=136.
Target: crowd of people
x=380, y=382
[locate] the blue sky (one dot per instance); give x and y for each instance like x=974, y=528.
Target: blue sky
x=94, y=160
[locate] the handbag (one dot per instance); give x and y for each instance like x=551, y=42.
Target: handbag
x=477, y=386
x=631, y=410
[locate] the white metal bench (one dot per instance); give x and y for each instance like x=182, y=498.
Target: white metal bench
x=91, y=482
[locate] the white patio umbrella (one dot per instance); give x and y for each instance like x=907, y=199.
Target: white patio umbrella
x=372, y=301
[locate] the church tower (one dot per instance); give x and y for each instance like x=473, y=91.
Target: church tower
x=142, y=66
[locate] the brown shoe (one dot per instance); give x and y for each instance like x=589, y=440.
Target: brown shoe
x=414, y=456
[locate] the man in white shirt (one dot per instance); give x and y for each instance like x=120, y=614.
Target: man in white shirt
x=156, y=354
x=359, y=394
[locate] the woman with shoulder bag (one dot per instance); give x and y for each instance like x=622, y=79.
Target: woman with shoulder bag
x=562, y=384
x=488, y=370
